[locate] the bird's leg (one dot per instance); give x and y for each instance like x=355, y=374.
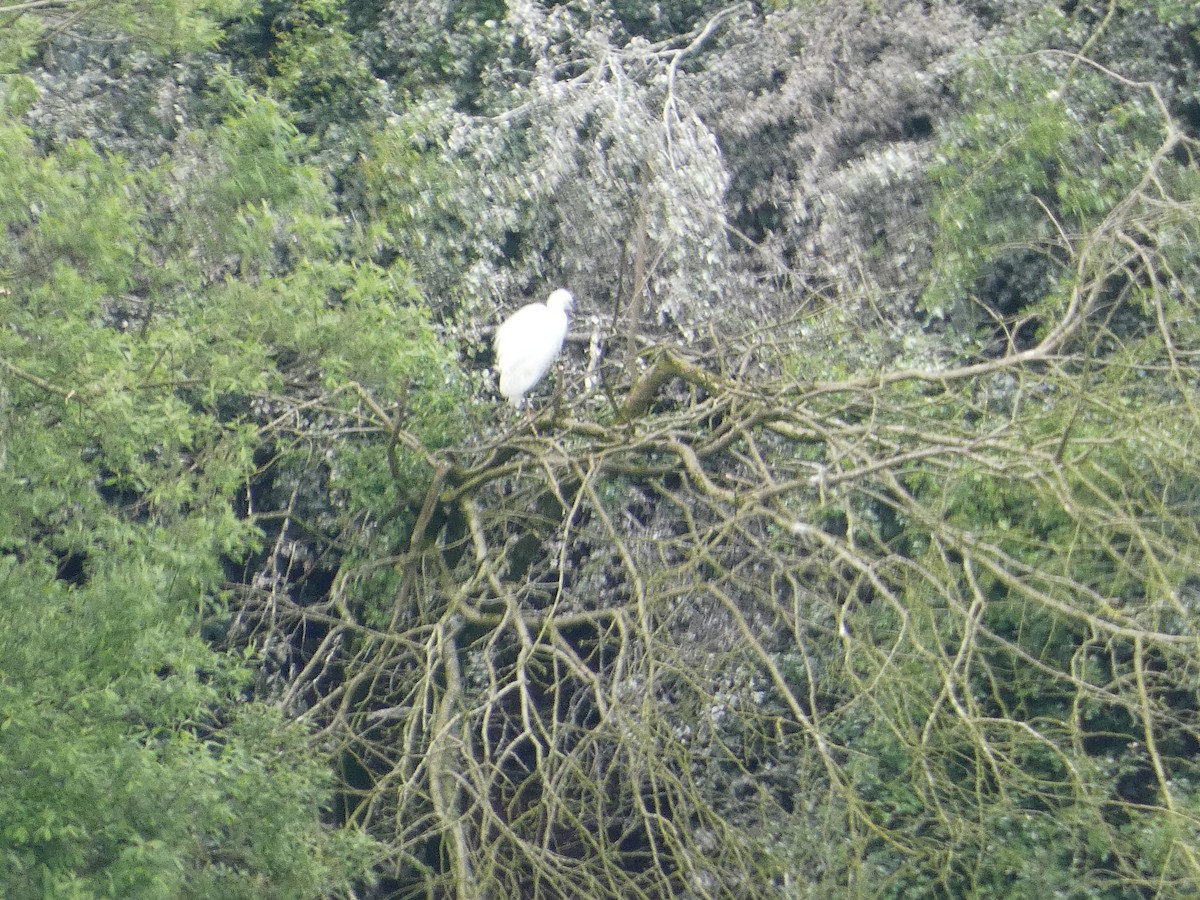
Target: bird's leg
x=559, y=389
x=531, y=415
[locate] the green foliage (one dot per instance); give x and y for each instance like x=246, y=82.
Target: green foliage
x=859, y=624
x=413, y=208
x=159, y=26
x=142, y=775
x=1048, y=146
x=1011, y=729
x=158, y=345
x=314, y=64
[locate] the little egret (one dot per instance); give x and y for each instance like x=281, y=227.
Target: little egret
x=528, y=343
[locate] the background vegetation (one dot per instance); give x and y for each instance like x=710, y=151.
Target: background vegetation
x=852, y=552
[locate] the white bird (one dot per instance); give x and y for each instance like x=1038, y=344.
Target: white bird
x=528, y=342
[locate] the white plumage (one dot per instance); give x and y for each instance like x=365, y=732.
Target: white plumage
x=528, y=342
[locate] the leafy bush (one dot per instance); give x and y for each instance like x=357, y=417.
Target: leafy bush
x=162, y=349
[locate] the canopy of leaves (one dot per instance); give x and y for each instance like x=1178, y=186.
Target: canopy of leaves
x=862, y=561
x=169, y=332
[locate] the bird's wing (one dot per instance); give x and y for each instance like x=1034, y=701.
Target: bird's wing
x=514, y=334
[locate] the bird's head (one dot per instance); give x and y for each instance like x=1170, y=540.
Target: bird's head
x=561, y=299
